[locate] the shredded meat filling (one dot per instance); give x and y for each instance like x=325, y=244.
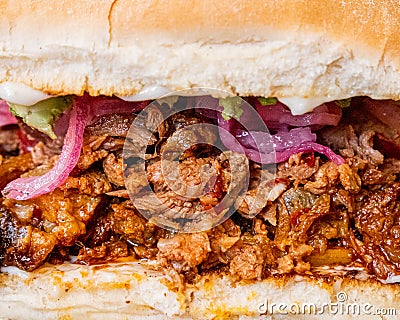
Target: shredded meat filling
x=312, y=212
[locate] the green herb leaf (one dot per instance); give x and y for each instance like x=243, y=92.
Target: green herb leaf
x=268, y=101
x=232, y=107
x=43, y=114
x=169, y=100
x=344, y=103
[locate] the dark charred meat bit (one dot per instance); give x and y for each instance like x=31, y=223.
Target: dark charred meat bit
x=121, y=232
x=99, y=232
x=31, y=249
x=91, y=152
x=59, y=255
x=186, y=140
x=115, y=125
x=379, y=213
x=377, y=220
x=128, y=223
x=386, y=146
x=9, y=141
x=30, y=137
x=22, y=245
x=107, y=251
x=64, y=216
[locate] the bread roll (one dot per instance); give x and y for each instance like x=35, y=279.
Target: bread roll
x=136, y=291
x=318, y=48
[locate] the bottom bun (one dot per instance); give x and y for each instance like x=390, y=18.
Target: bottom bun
x=133, y=290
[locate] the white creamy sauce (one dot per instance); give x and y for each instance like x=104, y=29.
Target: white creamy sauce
x=392, y=279
x=14, y=271
x=24, y=95
x=148, y=93
x=300, y=106
x=297, y=105
x=21, y=94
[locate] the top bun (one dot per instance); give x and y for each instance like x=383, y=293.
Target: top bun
x=282, y=48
